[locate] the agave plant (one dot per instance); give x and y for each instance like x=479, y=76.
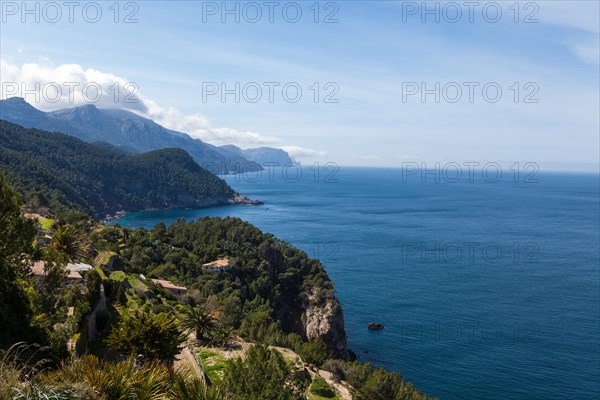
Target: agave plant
x=153, y=382
x=44, y=392
x=88, y=378
x=116, y=381
x=187, y=388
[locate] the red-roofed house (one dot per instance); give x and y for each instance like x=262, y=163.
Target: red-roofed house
x=38, y=269
x=218, y=265
x=171, y=287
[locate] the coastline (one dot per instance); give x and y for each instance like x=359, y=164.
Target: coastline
x=238, y=200
x=325, y=320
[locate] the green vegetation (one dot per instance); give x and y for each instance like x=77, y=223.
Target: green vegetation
x=62, y=172
x=213, y=364
x=153, y=337
x=91, y=379
x=70, y=241
x=373, y=383
x=314, y=352
x=45, y=223
x=103, y=257
x=100, y=272
x=312, y=396
x=16, y=315
x=222, y=336
x=321, y=389
x=263, y=374
x=200, y=322
x=136, y=283
x=258, y=297
x=118, y=276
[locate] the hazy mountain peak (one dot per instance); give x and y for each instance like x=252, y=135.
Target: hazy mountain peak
x=261, y=155
x=119, y=128
x=88, y=109
x=16, y=100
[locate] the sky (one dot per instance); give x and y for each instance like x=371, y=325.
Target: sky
x=358, y=83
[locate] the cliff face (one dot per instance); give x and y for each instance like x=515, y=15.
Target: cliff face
x=324, y=318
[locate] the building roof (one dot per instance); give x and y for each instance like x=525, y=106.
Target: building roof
x=168, y=284
x=78, y=267
x=39, y=269
x=74, y=275
x=220, y=263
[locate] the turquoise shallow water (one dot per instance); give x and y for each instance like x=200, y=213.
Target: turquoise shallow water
x=486, y=290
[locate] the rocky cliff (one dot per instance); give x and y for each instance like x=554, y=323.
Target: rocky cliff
x=323, y=317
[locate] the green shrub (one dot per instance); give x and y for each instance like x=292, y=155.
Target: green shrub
x=154, y=337
x=314, y=352
x=336, y=368
x=322, y=388
x=263, y=374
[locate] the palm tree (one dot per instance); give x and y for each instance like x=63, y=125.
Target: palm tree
x=70, y=241
x=222, y=336
x=199, y=321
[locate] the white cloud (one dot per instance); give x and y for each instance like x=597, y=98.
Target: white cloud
x=587, y=52
x=582, y=16
x=243, y=139
x=68, y=85
x=301, y=152
x=50, y=88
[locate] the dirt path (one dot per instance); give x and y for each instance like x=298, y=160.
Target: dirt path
x=341, y=389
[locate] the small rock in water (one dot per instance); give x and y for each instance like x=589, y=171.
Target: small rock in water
x=375, y=326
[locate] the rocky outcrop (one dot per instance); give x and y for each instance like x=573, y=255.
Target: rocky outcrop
x=242, y=199
x=323, y=317
x=374, y=326
x=188, y=201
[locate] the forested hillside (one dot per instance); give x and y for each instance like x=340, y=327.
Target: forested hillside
x=60, y=171
x=265, y=295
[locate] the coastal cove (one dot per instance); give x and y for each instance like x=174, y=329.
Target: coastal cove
x=486, y=290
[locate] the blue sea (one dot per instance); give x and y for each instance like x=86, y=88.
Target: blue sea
x=488, y=289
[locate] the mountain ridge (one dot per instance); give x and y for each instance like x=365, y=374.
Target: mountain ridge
x=66, y=172
x=261, y=155
x=125, y=129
